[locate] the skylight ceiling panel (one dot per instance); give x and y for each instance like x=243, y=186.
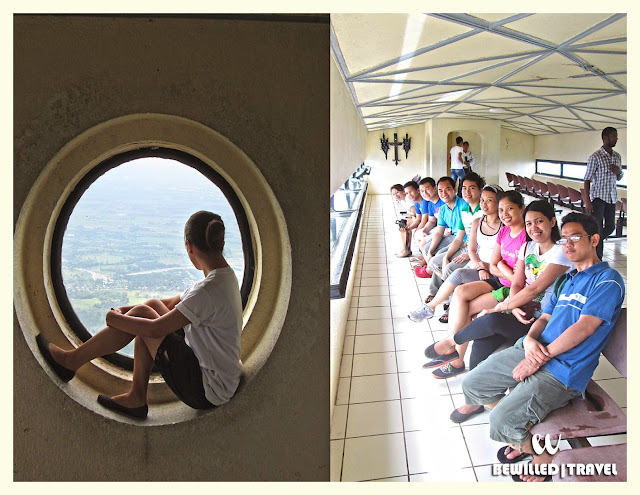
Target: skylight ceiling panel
x=553, y=67
x=600, y=116
x=438, y=73
x=474, y=47
x=495, y=93
x=613, y=47
x=572, y=99
x=617, y=102
x=605, y=62
x=556, y=112
x=368, y=40
x=489, y=76
x=359, y=48
x=429, y=93
x=617, y=29
x=367, y=92
x=556, y=28
x=544, y=88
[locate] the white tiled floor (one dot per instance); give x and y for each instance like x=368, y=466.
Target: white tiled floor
x=391, y=419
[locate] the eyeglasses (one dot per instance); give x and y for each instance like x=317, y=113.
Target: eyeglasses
x=574, y=238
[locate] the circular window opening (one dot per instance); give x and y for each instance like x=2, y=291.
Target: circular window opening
x=119, y=239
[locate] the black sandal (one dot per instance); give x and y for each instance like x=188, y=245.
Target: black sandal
x=444, y=318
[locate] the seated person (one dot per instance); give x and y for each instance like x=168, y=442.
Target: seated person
x=450, y=258
x=469, y=299
x=193, y=338
x=554, y=362
x=482, y=241
x=540, y=263
x=432, y=202
x=448, y=218
x=408, y=210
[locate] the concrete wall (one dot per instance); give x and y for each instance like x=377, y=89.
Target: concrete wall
x=516, y=156
x=385, y=173
x=265, y=86
x=576, y=146
x=348, y=134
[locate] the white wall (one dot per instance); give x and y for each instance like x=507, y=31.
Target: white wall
x=348, y=134
x=516, y=156
x=385, y=173
x=575, y=146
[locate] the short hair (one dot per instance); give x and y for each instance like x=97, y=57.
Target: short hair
x=588, y=223
x=459, y=140
x=428, y=180
x=548, y=211
x=466, y=142
x=473, y=177
x=411, y=183
x=512, y=195
x=607, y=131
x=448, y=179
x=397, y=187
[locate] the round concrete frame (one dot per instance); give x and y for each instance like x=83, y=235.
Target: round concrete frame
x=34, y=299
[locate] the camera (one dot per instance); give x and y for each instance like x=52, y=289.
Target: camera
x=402, y=223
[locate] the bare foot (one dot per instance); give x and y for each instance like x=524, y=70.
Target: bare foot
x=511, y=453
x=543, y=458
x=128, y=400
x=61, y=357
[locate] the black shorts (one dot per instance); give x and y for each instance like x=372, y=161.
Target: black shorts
x=494, y=282
x=181, y=371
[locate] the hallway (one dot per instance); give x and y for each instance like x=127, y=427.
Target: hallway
x=391, y=419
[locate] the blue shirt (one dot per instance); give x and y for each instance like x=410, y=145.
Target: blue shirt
x=434, y=207
x=597, y=291
x=450, y=217
x=421, y=207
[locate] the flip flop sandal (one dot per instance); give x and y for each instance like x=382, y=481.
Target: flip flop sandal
x=429, y=299
x=444, y=318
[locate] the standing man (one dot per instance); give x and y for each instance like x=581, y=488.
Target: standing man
x=457, y=166
x=604, y=168
x=468, y=160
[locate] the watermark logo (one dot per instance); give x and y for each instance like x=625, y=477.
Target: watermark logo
x=539, y=449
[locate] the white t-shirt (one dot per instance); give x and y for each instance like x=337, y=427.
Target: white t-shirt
x=535, y=263
x=214, y=308
x=456, y=163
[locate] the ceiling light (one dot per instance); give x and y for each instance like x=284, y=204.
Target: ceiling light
x=497, y=110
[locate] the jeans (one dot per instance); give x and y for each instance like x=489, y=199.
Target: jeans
x=607, y=212
x=527, y=404
x=458, y=173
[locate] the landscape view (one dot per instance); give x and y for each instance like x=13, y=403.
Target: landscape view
x=124, y=242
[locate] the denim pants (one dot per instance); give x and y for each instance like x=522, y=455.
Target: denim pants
x=527, y=404
x=458, y=174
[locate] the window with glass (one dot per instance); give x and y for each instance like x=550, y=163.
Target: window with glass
x=569, y=170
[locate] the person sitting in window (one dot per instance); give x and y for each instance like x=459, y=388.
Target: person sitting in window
x=194, y=338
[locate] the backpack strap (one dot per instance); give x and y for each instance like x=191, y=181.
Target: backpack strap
x=559, y=284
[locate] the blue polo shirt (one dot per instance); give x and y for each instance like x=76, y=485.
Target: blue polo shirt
x=450, y=217
x=597, y=291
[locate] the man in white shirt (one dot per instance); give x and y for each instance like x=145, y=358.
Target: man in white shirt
x=457, y=165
